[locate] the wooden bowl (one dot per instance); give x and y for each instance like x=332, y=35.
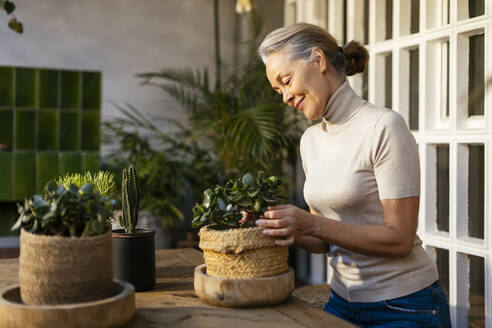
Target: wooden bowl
x=243, y=292
x=113, y=311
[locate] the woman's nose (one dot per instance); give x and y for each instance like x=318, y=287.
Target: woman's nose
x=287, y=97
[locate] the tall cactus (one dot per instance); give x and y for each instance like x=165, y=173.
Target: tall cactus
x=130, y=199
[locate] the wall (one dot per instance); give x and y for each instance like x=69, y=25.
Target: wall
x=119, y=38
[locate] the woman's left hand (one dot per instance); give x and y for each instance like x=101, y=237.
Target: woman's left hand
x=286, y=221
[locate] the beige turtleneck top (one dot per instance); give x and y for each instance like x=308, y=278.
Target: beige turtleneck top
x=359, y=154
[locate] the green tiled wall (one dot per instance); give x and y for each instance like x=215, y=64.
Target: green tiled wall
x=6, y=175
x=48, y=89
x=7, y=90
x=49, y=126
x=24, y=175
x=91, y=162
x=70, y=90
x=46, y=168
x=69, y=131
x=6, y=127
x=25, y=87
x=70, y=163
x=47, y=130
x=25, y=129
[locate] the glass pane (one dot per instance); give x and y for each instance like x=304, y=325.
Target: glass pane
x=476, y=8
x=414, y=90
x=476, y=70
x=388, y=83
x=366, y=22
x=345, y=21
x=442, y=263
x=389, y=19
x=365, y=84
x=442, y=183
x=292, y=13
x=415, y=16
x=476, y=314
x=476, y=191
x=445, y=78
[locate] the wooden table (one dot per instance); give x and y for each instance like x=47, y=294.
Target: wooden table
x=173, y=302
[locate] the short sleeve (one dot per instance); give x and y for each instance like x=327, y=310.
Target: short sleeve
x=395, y=158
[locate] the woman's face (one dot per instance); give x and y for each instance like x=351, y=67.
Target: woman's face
x=304, y=85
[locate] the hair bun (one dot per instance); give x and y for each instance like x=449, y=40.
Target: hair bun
x=356, y=58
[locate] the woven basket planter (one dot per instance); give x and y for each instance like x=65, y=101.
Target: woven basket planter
x=61, y=270
x=243, y=253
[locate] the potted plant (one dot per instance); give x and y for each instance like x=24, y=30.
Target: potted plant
x=233, y=246
x=65, y=244
x=133, y=248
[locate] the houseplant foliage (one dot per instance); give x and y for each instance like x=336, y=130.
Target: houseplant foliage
x=68, y=212
x=133, y=248
x=167, y=161
x=233, y=246
x=235, y=126
x=65, y=244
x=223, y=205
x=130, y=199
x=242, y=120
x=13, y=24
x=104, y=182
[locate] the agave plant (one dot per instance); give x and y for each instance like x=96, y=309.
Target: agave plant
x=103, y=181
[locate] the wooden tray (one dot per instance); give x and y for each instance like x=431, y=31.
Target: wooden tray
x=243, y=292
x=114, y=311
x=316, y=295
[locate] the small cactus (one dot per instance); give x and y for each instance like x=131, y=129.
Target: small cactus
x=130, y=199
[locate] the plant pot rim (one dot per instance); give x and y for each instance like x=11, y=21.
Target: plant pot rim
x=39, y=235
x=120, y=233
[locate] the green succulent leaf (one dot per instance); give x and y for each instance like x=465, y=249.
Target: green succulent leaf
x=247, y=179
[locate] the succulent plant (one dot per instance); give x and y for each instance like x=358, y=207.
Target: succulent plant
x=69, y=212
x=223, y=205
x=103, y=181
x=130, y=199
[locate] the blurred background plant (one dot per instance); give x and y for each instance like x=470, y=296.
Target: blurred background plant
x=238, y=126
x=13, y=24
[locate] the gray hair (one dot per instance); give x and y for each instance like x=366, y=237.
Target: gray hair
x=300, y=39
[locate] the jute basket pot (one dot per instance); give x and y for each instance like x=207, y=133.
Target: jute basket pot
x=61, y=270
x=243, y=253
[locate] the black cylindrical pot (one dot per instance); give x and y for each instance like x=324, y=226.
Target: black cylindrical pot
x=134, y=258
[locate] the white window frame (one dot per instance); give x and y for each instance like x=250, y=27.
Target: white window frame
x=456, y=130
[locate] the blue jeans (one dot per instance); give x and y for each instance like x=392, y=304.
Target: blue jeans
x=425, y=308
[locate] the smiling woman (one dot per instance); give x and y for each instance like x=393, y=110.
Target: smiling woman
x=308, y=87
x=362, y=186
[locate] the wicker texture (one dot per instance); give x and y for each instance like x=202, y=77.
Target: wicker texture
x=234, y=240
x=60, y=270
x=242, y=253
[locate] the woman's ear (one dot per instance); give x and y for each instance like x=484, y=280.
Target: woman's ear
x=319, y=59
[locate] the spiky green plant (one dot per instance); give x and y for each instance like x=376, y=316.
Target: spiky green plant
x=103, y=181
x=130, y=198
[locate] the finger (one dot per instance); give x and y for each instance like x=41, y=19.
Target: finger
x=285, y=242
x=277, y=214
x=280, y=223
x=278, y=207
x=277, y=232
